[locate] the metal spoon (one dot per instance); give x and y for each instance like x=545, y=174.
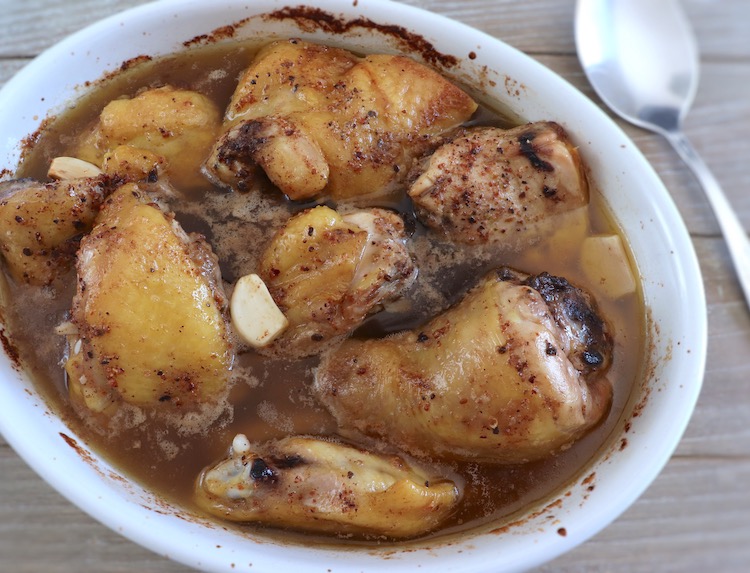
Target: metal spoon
x=641, y=58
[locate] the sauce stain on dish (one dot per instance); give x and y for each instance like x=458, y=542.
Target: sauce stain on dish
x=310, y=19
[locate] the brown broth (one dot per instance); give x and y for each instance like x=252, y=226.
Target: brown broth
x=271, y=398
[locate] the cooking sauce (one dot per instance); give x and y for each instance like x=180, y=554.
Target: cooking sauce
x=271, y=398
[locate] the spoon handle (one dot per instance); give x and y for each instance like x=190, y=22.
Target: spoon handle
x=734, y=233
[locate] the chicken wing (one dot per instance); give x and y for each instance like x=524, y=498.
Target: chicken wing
x=312, y=484
x=40, y=224
x=327, y=272
x=149, y=313
x=320, y=120
x=177, y=126
x=512, y=373
x=496, y=185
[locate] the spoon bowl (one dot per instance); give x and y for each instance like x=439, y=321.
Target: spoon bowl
x=642, y=60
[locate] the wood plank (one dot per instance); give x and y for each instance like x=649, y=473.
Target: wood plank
x=719, y=425
x=31, y=26
x=9, y=67
x=41, y=531
x=694, y=517
x=546, y=26
x=541, y=26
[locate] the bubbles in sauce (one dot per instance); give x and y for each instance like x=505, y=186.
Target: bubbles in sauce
x=270, y=398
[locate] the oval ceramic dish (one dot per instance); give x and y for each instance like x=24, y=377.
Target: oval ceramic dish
x=655, y=416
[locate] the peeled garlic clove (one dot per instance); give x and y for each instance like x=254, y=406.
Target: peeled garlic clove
x=65, y=168
x=255, y=315
x=607, y=266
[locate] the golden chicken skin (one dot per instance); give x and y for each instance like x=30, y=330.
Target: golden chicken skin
x=327, y=271
x=493, y=185
x=320, y=485
x=148, y=325
x=166, y=127
x=40, y=224
x=512, y=373
x=320, y=120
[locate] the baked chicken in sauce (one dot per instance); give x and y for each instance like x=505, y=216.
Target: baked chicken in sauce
x=512, y=373
x=499, y=185
x=171, y=128
x=320, y=120
x=328, y=271
x=314, y=484
x=149, y=326
x=41, y=223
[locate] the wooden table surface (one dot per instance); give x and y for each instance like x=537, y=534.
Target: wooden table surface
x=696, y=516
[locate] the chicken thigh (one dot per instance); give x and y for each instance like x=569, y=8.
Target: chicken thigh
x=172, y=127
x=148, y=318
x=312, y=484
x=495, y=185
x=320, y=120
x=327, y=272
x=40, y=224
x=511, y=374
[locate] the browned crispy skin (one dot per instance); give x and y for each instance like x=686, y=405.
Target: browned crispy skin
x=320, y=120
x=495, y=379
x=496, y=185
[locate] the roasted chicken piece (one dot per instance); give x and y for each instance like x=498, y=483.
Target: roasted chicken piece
x=320, y=120
x=512, y=373
x=319, y=485
x=40, y=224
x=496, y=185
x=130, y=163
x=148, y=318
x=177, y=126
x=327, y=272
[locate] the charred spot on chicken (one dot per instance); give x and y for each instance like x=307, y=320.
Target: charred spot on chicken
x=574, y=310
